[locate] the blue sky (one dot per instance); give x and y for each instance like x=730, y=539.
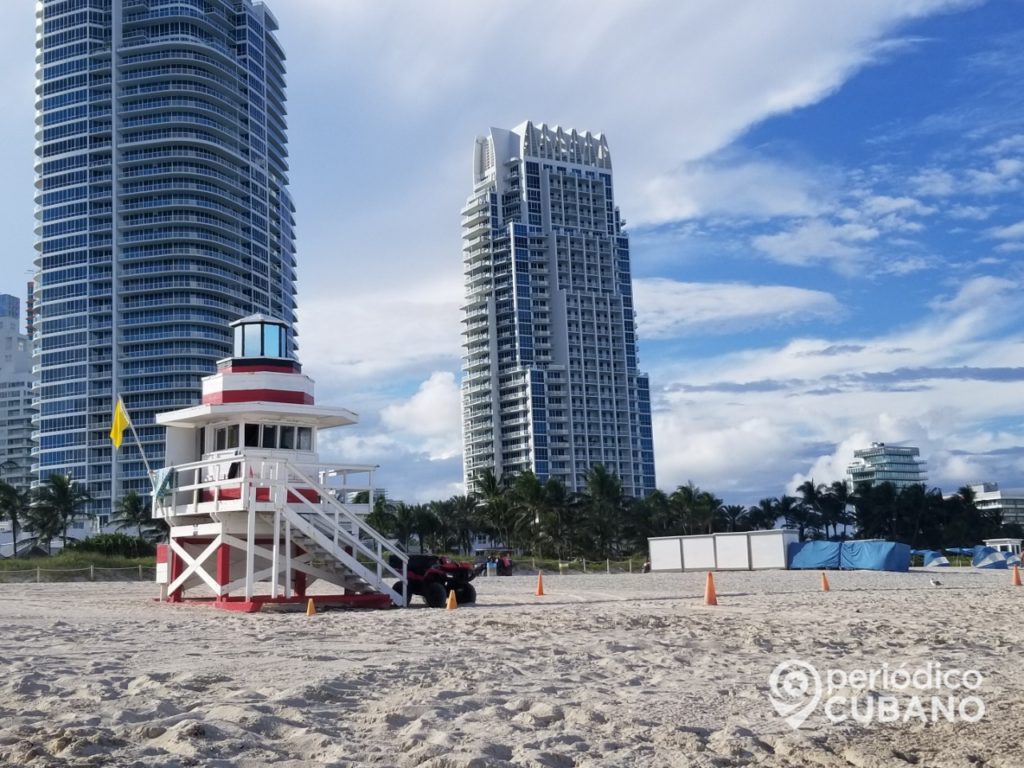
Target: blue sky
x=824, y=200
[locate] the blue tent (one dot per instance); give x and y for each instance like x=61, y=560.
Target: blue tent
x=933, y=559
x=852, y=555
x=875, y=556
x=1012, y=559
x=986, y=557
x=814, y=554
x=960, y=550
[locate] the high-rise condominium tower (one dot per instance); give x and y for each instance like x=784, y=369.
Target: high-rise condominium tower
x=163, y=215
x=15, y=397
x=550, y=381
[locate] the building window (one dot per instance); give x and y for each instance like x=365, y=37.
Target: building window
x=252, y=435
x=269, y=436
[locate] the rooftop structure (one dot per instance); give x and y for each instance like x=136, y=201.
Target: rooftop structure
x=883, y=463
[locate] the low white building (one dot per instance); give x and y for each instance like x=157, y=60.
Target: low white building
x=989, y=497
x=1004, y=545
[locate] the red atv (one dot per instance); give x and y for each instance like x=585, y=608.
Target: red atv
x=433, y=577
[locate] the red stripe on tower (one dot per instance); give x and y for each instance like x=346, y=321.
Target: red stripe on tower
x=257, y=396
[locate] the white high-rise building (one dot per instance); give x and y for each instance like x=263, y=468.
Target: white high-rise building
x=550, y=380
x=15, y=397
x=881, y=463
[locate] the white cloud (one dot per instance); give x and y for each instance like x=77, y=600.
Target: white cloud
x=744, y=421
x=934, y=182
x=433, y=414
x=880, y=205
x=1010, y=232
x=970, y=212
x=818, y=242
x=361, y=333
x=733, y=186
x=1013, y=143
x=668, y=308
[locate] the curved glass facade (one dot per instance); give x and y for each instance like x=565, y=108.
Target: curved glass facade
x=163, y=214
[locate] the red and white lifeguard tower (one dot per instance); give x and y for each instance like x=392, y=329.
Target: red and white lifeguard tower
x=255, y=518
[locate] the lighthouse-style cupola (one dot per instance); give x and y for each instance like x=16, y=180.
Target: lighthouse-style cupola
x=258, y=337
x=248, y=482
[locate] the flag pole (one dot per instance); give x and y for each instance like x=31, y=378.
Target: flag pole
x=138, y=444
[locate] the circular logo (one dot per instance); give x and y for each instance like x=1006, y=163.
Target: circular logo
x=794, y=690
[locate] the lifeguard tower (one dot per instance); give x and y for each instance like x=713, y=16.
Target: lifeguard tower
x=255, y=518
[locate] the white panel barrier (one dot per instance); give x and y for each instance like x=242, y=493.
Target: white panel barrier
x=755, y=550
x=666, y=554
x=699, y=553
x=732, y=551
x=768, y=548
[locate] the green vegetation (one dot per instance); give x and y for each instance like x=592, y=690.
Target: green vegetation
x=74, y=560
x=541, y=517
x=114, y=545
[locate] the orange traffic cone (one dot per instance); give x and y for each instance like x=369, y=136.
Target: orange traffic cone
x=1016, y=576
x=311, y=608
x=824, y=582
x=540, y=584
x=452, y=604
x=710, y=598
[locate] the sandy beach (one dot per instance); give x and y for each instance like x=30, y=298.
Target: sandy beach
x=620, y=670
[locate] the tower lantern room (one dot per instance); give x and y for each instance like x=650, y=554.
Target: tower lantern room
x=261, y=337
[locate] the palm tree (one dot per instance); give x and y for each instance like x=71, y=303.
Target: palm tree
x=382, y=516
x=529, y=498
x=62, y=497
x=764, y=515
x=498, y=512
x=13, y=507
x=403, y=522
x=604, y=502
x=44, y=522
x=132, y=511
x=734, y=515
x=838, y=501
x=707, y=511
x=463, y=520
x=683, y=503
x=797, y=514
x=440, y=512
x=813, y=501
x=424, y=524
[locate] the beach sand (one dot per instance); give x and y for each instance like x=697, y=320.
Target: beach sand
x=605, y=670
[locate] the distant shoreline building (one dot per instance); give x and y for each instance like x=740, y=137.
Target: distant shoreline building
x=163, y=214
x=550, y=379
x=15, y=397
x=1009, y=503
x=882, y=463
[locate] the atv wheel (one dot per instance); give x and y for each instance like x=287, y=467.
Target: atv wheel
x=399, y=587
x=466, y=595
x=435, y=594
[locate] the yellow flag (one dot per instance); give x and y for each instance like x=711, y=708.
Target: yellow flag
x=120, y=424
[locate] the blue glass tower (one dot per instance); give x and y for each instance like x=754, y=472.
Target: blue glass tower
x=550, y=382
x=163, y=214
